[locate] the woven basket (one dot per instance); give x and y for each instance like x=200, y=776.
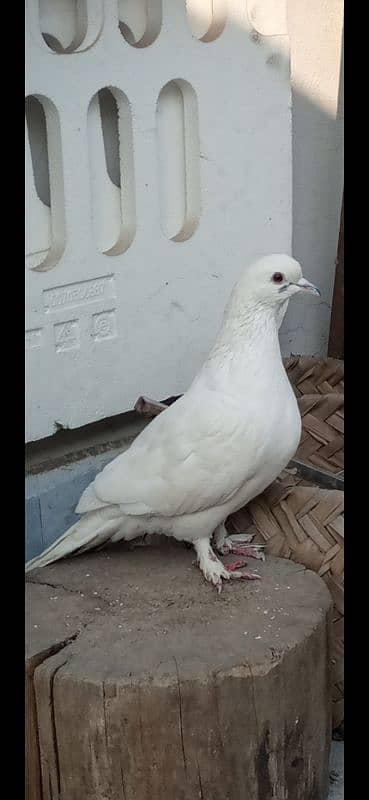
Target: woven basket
x=302, y=522
x=310, y=375
x=319, y=387
x=322, y=438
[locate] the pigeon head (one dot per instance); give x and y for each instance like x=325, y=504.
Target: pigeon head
x=272, y=280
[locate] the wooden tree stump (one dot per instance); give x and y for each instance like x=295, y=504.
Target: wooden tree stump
x=144, y=684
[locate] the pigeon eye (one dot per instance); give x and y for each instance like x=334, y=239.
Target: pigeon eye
x=277, y=277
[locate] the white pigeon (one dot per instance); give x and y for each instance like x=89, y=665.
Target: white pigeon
x=215, y=449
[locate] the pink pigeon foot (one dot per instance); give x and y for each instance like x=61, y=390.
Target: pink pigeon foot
x=251, y=551
x=236, y=565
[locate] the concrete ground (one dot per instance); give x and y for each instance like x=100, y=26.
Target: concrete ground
x=336, y=791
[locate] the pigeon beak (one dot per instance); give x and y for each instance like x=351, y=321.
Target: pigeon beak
x=308, y=287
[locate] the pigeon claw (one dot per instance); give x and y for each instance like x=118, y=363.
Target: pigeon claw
x=251, y=576
x=251, y=551
x=235, y=565
x=214, y=571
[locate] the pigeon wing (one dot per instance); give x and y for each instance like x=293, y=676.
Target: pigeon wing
x=181, y=463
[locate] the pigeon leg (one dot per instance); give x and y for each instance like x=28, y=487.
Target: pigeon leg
x=220, y=537
x=213, y=569
x=232, y=545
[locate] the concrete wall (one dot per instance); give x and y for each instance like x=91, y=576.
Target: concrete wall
x=160, y=188
x=145, y=201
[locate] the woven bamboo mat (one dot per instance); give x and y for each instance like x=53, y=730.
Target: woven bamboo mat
x=322, y=438
x=310, y=375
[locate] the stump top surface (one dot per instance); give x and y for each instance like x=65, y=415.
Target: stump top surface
x=136, y=614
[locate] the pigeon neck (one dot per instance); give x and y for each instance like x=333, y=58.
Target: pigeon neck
x=251, y=334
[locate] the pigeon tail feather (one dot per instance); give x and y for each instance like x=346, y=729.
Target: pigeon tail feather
x=89, y=501
x=93, y=530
